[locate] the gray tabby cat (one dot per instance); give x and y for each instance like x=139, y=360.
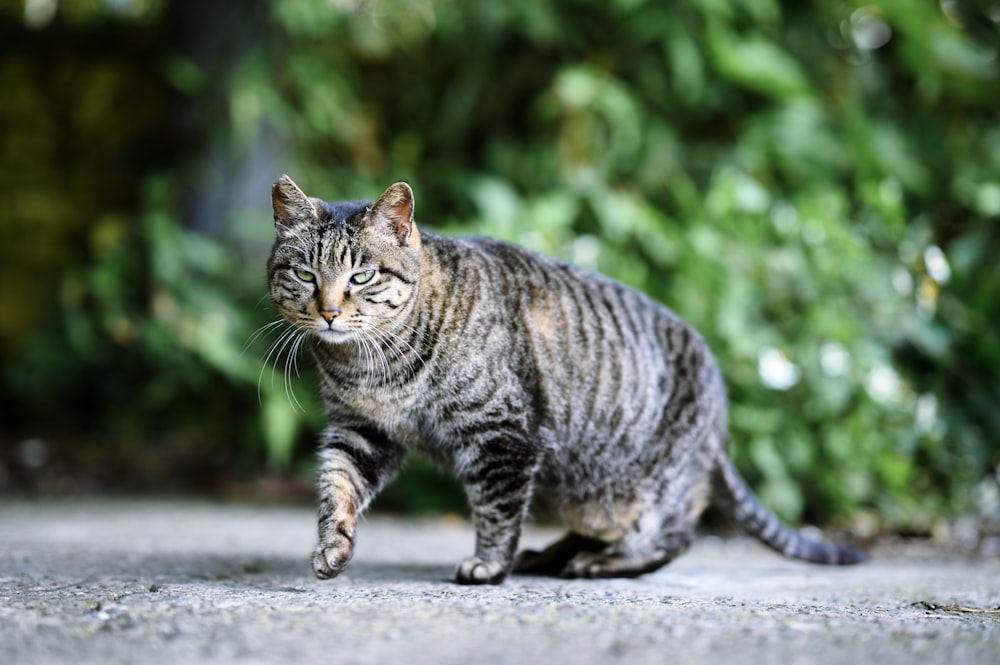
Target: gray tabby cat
x=528, y=377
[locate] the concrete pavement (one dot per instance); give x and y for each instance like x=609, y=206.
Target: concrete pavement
x=119, y=581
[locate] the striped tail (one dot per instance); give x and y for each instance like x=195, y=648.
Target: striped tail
x=762, y=523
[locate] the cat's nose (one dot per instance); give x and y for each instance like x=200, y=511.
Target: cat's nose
x=330, y=314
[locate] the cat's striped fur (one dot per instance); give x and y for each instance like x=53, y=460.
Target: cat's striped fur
x=528, y=377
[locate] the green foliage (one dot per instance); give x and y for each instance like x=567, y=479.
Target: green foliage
x=767, y=169
x=774, y=172
x=813, y=185
x=153, y=335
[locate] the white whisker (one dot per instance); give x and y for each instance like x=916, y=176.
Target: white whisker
x=277, y=346
x=263, y=331
x=383, y=359
x=266, y=296
x=290, y=362
x=366, y=347
x=284, y=340
x=400, y=347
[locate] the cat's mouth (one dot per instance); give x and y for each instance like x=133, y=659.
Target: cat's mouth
x=335, y=332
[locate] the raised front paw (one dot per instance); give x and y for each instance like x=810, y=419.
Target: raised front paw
x=330, y=558
x=476, y=571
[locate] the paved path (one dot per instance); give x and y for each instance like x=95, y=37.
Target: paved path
x=164, y=582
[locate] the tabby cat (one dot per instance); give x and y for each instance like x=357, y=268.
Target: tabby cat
x=528, y=377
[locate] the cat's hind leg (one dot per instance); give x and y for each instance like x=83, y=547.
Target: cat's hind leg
x=663, y=532
x=553, y=559
x=656, y=537
x=665, y=526
x=626, y=560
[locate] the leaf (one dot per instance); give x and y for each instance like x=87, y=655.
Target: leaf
x=280, y=422
x=757, y=63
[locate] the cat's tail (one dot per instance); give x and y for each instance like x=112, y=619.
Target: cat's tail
x=762, y=523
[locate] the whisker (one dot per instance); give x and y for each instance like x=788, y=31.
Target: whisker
x=421, y=334
x=264, y=330
x=397, y=354
x=288, y=339
x=266, y=296
x=383, y=361
x=401, y=347
x=295, y=354
x=366, y=345
x=289, y=363
x=275, y=347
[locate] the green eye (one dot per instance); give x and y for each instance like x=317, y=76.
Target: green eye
x=363, y=277
x=305, y=275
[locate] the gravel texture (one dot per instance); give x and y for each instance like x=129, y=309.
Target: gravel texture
x=180, y=582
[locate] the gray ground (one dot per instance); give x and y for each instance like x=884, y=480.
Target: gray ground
x=158, y=582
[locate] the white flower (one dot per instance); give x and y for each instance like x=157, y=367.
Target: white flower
x=834, y=359
x=776, y=370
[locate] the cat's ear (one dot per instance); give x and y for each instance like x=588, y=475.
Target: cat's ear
x=393, y=213
x=291, y=206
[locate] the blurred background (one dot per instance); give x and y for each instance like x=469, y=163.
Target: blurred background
x=814, y=184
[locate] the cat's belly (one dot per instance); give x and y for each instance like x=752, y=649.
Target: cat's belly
x=601, y=516
x=609, y=520
x=606, y=502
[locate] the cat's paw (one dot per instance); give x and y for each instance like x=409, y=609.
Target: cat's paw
x=590, y=565
x=476, y=571
x=595, y=565
x=329, y=559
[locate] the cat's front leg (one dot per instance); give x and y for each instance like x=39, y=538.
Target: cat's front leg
x=498, y=485
x=352, y=468
x=339, y=498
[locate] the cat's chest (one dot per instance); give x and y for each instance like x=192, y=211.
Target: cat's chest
x=395, y=407
x=410, y=415
x=378, y=403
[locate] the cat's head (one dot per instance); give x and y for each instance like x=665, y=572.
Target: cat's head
x=344, y=271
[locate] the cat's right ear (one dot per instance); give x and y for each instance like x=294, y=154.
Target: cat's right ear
x=291, y=206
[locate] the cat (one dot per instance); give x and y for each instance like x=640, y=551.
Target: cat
x=528, y=377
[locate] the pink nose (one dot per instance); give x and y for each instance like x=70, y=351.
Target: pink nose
x=330, y=314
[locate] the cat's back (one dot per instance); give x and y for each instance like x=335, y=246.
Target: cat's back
x=604, y=355
x=544, y=293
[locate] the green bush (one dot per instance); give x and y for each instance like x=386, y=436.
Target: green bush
x=813, y=185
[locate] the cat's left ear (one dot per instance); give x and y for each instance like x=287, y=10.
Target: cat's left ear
x=393, y=213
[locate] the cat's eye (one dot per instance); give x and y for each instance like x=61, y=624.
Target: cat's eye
x=305, y=275
x=363, y=277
